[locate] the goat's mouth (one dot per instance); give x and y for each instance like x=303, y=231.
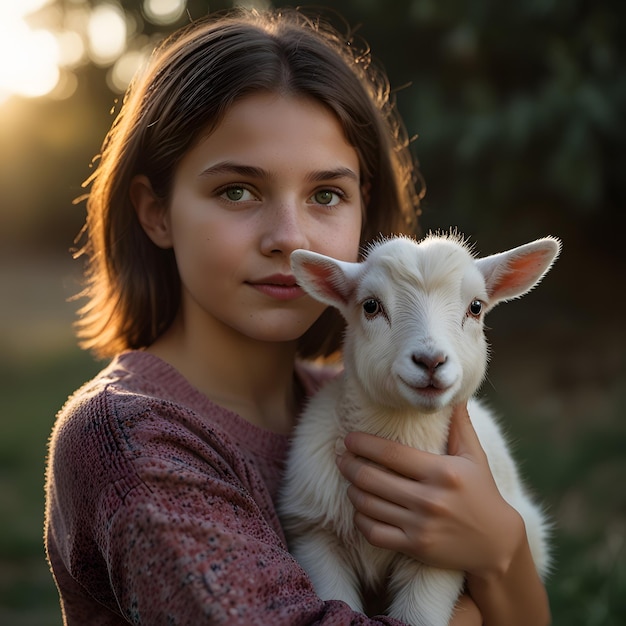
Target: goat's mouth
x=431, y=392
x=431, y=388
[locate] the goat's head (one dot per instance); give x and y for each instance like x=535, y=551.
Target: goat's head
x=415, y=312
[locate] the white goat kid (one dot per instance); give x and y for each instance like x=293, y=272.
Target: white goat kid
x=414, y=346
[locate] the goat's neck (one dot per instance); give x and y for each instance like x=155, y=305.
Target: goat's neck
x=426, y=431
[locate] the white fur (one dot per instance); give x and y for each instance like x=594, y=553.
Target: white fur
x=405, y=367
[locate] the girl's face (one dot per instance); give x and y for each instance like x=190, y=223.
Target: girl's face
x=277, y=174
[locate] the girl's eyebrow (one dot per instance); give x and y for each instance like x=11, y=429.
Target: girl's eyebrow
x=333, y=174
x=230, y=167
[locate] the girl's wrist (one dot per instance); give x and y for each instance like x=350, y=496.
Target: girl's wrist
x=510, y=591
x=509, y=544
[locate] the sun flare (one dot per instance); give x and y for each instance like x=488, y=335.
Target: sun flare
x=28, y=57
x=42, y=42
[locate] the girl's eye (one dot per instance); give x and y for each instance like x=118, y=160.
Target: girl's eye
x=475, y=308
x=237, y=194
x=372, y=308
x=326, y=197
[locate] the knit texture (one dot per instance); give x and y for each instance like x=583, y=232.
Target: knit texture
x=160, y=509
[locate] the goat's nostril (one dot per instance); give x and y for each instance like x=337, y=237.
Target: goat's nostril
x=428, y=361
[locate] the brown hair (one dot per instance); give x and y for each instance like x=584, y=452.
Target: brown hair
x=133, y=286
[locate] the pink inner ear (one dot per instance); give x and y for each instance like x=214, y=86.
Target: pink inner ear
x=521, y=273
x=521, y=269
x=325, y=279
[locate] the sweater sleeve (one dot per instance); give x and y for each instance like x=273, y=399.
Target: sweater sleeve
x=181, y=535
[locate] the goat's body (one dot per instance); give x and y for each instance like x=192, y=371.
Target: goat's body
x=414, y=347
x=318, y=517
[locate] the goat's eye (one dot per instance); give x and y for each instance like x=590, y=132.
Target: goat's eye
x=372, y=307
x=475, y=308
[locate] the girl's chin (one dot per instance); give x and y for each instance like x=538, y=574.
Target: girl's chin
x=282, y=334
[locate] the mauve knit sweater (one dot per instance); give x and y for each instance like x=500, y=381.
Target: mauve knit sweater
x=160, y=509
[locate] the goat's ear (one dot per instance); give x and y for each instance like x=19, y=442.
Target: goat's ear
x=513, y=273
x=326, y=279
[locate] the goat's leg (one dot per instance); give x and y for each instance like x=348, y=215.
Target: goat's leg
x=423, y=596
x=329, y=567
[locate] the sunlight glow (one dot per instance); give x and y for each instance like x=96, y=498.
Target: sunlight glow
x=106, y=31
x=22, y=8
x=29, y=59
x=67, y=85
x=43, y=42
x=125, y=69
x=71, y=48
x=163, y=11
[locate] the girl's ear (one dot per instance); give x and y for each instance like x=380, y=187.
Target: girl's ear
x=151, y=212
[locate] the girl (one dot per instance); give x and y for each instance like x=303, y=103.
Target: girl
x=250, y=135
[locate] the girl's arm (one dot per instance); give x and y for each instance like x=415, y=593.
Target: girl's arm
x=191, y=543
x=153, y=517
x=446, y=511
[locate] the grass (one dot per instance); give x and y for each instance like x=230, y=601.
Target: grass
x=31, y=394
x=585, y=489
x=581, y=479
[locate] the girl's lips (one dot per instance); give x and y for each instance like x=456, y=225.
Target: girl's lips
x=279, y=292
x=278, y=287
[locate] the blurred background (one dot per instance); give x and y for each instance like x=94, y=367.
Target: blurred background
x=519, y=115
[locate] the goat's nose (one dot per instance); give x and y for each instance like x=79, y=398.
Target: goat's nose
x=429, y=361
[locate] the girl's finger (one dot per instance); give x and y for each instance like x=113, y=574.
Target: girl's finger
x=406, y=461
x=462, y=438
x=380, y=509
x=380, y=534
x=377, y=481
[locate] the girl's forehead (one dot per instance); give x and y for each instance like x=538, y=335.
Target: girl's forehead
x=276, y=129
x=260, y=109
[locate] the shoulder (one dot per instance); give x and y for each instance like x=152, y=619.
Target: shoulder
x=130, y=419
x=120, y=444
x=114, y=391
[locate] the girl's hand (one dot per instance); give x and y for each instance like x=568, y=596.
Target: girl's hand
x=444, y=510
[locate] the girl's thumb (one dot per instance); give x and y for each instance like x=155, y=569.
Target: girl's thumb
x=462, y=438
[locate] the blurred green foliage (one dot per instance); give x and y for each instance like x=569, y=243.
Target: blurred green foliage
x=519, y=106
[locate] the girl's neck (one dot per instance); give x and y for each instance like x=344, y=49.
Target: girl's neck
x=255, y=379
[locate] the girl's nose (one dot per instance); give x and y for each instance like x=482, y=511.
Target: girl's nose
x=284, y=229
